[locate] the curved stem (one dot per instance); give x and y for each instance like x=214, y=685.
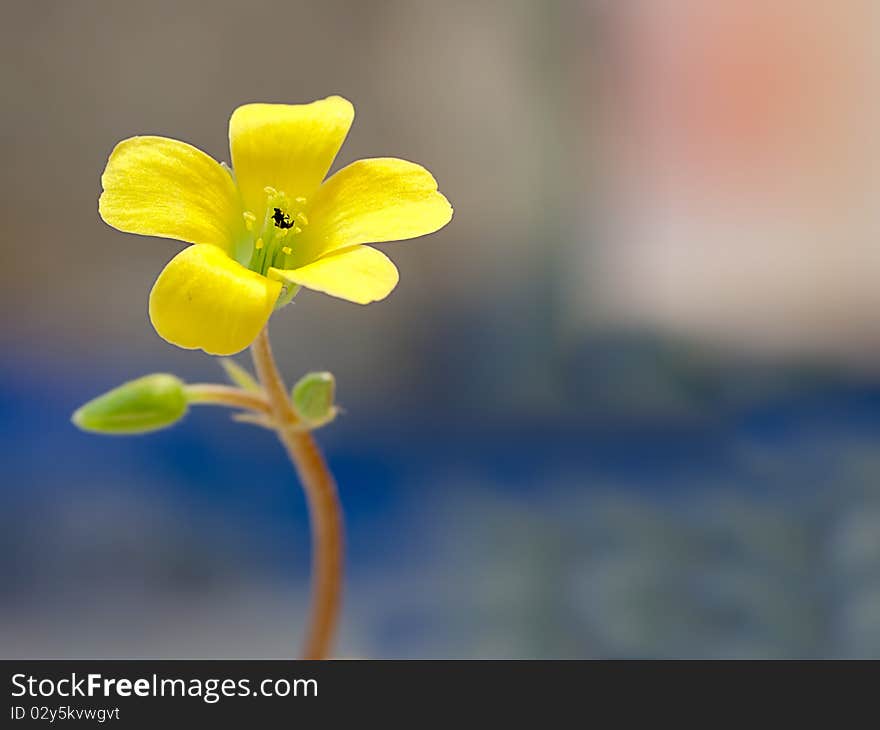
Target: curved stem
x=324, y=510
x=226, y=395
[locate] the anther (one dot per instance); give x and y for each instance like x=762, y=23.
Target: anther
x=249, y=220
x=287, y=249
x=301, y=217
x=258, y=244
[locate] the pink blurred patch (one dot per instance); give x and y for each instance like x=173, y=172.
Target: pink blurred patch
x=740, y=96
x=744, y=161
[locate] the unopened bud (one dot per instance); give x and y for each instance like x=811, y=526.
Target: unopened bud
x=138, y=406
x=313, y=397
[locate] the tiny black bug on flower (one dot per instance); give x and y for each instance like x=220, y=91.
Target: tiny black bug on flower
x=282, y=220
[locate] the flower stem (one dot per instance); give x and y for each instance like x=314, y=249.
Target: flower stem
x=324, y=509
x=226, y=395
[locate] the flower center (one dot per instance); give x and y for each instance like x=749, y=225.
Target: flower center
x=274, y=240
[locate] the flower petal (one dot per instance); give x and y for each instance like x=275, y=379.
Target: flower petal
x=157, y=186
x=371, y=201
x=289, y=147
x=359, y=274
x=204, y=299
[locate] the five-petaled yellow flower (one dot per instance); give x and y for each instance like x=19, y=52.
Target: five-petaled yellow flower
x=269, y=225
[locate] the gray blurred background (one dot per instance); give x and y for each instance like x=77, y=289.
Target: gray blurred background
x=625, y=405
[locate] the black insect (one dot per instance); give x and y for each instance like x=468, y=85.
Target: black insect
x=282, y=220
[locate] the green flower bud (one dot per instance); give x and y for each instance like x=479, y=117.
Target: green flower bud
x=138, y=406
x=313, y=397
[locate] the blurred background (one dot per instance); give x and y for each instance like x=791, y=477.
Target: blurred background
x=626, y=405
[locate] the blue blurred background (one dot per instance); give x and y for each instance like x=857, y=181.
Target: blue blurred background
x=626, y=405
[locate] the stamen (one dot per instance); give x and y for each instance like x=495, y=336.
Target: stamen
x=297, y=229
x=258, y=244
x=301, y=201
x=249, y=220
x=269, y=190
x=301, y=217
x=287, y=249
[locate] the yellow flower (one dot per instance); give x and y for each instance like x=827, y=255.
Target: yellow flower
x=271, y=226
